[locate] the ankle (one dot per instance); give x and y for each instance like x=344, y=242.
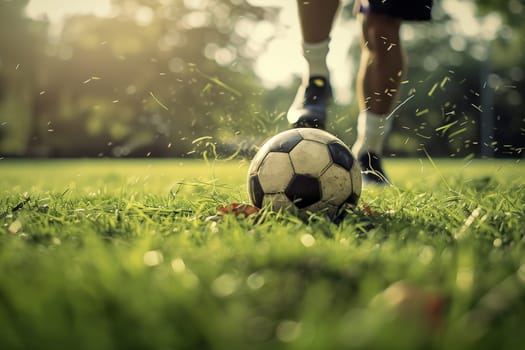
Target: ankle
x=372, y=131
x=315, y=55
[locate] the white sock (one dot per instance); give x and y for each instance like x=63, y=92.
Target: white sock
x=315, y=55
x=372, y=130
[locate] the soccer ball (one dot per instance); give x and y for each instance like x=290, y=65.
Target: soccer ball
x=305, y=170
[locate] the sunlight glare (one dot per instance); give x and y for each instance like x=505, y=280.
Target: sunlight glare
x=144, y=15
x=280, y=61
x=196, y=4
x=56, y=10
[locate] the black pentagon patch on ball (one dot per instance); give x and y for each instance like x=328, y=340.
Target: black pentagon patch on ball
x=303, y=190
x=256, y=191
x=285, y=141
x=352, y=199
x=341, y=155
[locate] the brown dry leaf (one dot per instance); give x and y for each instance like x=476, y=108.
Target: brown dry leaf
x=369, y=211
x=236, y=209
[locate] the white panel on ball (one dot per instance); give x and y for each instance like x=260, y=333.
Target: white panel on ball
x=275, y=172
x=357, y=179
x=316, y=135
x=277, y=201
x=310, y=158
x=336, y=185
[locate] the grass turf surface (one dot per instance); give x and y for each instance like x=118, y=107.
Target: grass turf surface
x=106, y=254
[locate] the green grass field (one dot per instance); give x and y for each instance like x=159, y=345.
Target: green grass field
x=118, y=254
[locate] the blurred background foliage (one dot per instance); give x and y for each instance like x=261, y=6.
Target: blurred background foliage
x=170, y=78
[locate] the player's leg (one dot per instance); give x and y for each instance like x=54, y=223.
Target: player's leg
x=381, y=69
x=309, y=108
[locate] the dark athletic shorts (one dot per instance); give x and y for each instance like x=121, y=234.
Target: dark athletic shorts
x=408, y=10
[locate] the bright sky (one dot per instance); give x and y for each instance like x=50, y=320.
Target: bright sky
x=281, y=61
x=56, y=10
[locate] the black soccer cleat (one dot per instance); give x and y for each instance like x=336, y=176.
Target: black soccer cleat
x=310, y=104
x=371, y=169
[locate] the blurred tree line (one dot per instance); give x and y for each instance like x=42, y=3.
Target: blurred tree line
x=175, y=78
